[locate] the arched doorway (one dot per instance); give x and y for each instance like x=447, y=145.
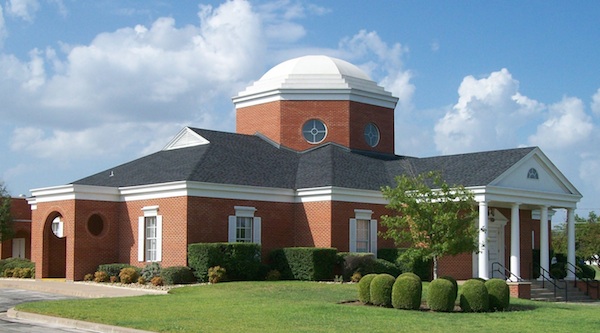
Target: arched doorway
x=55, y=247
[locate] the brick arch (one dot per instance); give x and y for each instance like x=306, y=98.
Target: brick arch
x=55, y=249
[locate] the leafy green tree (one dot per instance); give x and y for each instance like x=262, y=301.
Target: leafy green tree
x=6, y=227
x=587, y=237
x=436, y=218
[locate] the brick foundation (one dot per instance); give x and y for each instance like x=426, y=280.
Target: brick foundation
x=520, y=289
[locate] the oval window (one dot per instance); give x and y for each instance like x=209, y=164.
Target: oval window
x=372, y=134
x=95, y=225
x=314, y=131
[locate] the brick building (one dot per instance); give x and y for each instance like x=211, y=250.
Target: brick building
x=314, y=145
x=19, y=246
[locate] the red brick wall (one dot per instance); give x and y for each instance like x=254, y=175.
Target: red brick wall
x=313, y=224
x=459, y=267
x=282, y=122
x=21, y=215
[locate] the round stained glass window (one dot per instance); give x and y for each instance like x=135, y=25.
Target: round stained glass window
x=372, y=134
x=314, y=131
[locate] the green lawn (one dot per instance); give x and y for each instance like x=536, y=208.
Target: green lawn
x=304, y=307
x=597, y=269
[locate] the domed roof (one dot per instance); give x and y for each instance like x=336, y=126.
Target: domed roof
x=315, y=77
x=315, y=65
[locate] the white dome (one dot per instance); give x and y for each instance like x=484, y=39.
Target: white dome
x=315, y=65
x=315, y=77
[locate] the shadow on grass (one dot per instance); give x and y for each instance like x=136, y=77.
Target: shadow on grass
x=457, y=309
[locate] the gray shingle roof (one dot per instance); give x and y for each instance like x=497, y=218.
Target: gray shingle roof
x=239, y=159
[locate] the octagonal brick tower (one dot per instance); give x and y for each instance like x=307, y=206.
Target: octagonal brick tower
x=311, y=100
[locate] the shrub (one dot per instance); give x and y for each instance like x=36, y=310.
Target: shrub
x=474, y=296
x=364, y=288
x=216, y=274
x=150, y=270
x=88, y=277
x=141, y=280
x=113, y=269
x=454, y=283
x=418, y=266
x=100, y=276
x=128, y=275
x=273, y=275
x=356, y=277
x=441, y=296
x=241, y=260
x=585, y=272
x=157, y=281
x=407, y=292
x=382, y=266
x=114, y=279
x=305, y=263
x=13, y=263
x=498, y=293
x=356, y=263
x=558, y=271
x=381, y=290
x=410, y=275
x=177, y=275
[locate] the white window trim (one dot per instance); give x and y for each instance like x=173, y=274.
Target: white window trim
x=244, y=211
x=149, y=211
x=363, y=214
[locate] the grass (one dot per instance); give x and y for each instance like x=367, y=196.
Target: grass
x=303, y=307
x=597, y=269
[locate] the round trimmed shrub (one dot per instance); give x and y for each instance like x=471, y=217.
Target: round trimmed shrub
x=474, y=296
x=440, y=295
x=128, y=275
x=364, y=288
x=407, y=292
x=498, y=293
x=410, y=275
x=453, y=280
x=381, y=290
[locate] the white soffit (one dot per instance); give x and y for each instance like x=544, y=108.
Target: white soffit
x=186, y=138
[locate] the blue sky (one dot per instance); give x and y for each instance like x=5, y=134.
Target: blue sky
x=86, y=85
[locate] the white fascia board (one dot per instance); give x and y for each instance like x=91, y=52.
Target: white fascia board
x=240, y=192
x=316, y=95
x=73, y=192
x=497, y=194
x=330, y=193
x=154, y=191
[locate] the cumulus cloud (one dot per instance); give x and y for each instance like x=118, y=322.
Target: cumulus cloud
x=3, y=32
x=566, y=126
x=489, y=114
x=596, y=103
x=23, y=9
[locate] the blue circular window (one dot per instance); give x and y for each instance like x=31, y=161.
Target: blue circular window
x=314, y=131
x=372, y=134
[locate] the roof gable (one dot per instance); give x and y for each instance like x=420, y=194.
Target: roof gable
x=186, y=138
x=549, y=178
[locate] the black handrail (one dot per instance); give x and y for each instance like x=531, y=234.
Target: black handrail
x=503, y=270
x=589, y=283
x=546, y=277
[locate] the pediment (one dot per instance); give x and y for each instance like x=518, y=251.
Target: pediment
x=186, y=138
x=535, y=172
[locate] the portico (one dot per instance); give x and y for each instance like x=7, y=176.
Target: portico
x=535, y=186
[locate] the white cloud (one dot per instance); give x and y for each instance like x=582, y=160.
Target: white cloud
x=3, y=31
x=489, y=114
x=595, y=106
x=23, y=9
x=567, y=125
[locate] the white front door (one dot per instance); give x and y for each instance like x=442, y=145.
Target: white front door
x=18, y=248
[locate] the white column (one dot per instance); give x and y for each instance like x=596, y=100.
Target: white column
x=544, y=242
x=515, y=248
x=570, y=243
x=483, y=249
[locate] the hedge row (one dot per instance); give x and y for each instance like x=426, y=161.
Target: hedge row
x=23, y=268
x=304, y=263
x=242, y=261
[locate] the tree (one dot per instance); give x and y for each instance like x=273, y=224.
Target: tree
x=587, y=237
x=436, y=218
x=6, y=227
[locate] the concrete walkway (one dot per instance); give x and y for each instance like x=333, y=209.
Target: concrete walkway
x=73, y=289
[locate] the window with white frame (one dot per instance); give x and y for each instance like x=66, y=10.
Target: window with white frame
x=150, y=235
x=363, y=232
x=58, y=227
x=244, y=227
